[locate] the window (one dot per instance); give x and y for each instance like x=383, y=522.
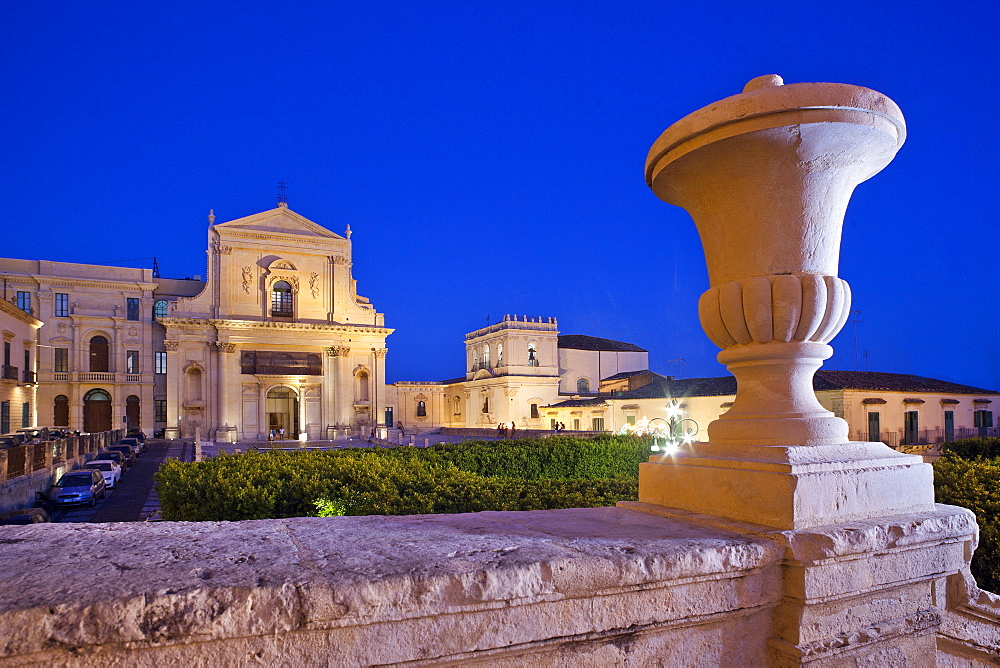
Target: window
x=6, y=357
x=532, y=355
x=24, y=301
x=486, y=357
x=60, y=361
x=160, y=309
x=60, y=411
x=629, y=419
x=99, y=357
x=583, y=385
x=4, y=417
x=160, y=410
x=486, y=404
x=534, y=410
x=27, y=360
x=597, y=424
x=949, y=425
x=62, y=305
x=421, y=409
x=281, y=300
x=132, y=310
x=983, y=420
x=499, y=354
x=874, y=426
x=910, y=427
x=26, y=414
x=131, y=361
x=160, y=361
x=576, y=424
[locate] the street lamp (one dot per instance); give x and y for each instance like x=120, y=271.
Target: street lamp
x=674, y=429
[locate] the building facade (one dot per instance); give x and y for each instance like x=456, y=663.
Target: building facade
x=897, y=409
x=18, y=381
x=513, y=369
x=275, y=337
x=278, y=341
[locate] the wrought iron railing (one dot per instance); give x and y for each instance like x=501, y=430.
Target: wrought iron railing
x=9, y=372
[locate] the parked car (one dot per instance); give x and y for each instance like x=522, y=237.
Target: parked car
x=10, y=440
x=115, y=456
x=126, y=451
x=33, y=434
x=78, y=487
x=111, y=471
x=136, y=433
x=136, y=444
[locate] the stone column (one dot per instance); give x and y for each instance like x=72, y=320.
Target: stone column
x=174, y=409
x=343, y=394
x=327, y=411
x=378, y=386
x=227, y=407
x=767, y=175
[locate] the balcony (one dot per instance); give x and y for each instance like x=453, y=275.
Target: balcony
x=28, y=376
x=8, y=372
x=96, y=377
x=133, y=378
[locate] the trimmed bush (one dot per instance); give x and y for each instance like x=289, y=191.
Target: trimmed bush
x=530, y=474
x=974, y=483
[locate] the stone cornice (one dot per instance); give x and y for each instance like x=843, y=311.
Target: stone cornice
x=244, y=325
x=18, y=314
x=46, y=282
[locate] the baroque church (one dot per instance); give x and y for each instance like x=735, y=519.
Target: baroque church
x=275, y=338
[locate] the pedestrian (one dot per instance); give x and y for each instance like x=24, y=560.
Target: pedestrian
x=500, y=430
x=270, y=435
x=281, y=433
x=512, y=429
x=562, y=426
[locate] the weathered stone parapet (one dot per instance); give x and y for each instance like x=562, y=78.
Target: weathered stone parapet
x=602, y=586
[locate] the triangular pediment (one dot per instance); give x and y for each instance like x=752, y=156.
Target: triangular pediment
x=280, y=221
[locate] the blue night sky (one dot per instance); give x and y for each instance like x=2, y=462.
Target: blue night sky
x=489, y=156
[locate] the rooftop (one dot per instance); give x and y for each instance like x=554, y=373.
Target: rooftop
x=584, y=342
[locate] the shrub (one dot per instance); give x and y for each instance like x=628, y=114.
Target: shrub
x=532, y=474
x=974, y=483
x=974, y=448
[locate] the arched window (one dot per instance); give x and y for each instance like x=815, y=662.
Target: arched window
x=160, y=309
x=281, y=299
x=421, y=409
x=486, y=357
x=99, y=358
x=532, y=354
x=583, y=385
x=499, y=354
x=60, y=411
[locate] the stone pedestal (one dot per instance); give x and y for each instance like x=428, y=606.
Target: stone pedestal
x=767, y=176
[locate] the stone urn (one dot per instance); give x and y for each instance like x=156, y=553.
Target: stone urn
x=767, y=176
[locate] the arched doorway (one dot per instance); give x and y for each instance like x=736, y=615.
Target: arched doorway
x=97, y=411
x=282, y=407
x=132, y=411
x=99, y=357
x=60, y=411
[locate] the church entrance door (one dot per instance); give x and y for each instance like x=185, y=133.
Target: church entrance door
x=97, y=411
x=282, y=407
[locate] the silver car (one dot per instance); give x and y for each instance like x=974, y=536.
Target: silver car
x=76, y=487
x=111, y=471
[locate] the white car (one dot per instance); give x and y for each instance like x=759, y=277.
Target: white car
x=111, y=471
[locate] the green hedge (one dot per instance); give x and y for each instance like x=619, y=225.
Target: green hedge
x=968, y=475
x=529, y=474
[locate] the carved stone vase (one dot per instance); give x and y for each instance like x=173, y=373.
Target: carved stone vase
x=767, y=176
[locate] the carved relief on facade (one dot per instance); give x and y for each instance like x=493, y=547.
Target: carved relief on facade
x=338, y=351
x=381, y=352
x=314, y=284
x=171, y=345
x=247, y=279
x=225, y=347
x=337, y=259
x=220, y=249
